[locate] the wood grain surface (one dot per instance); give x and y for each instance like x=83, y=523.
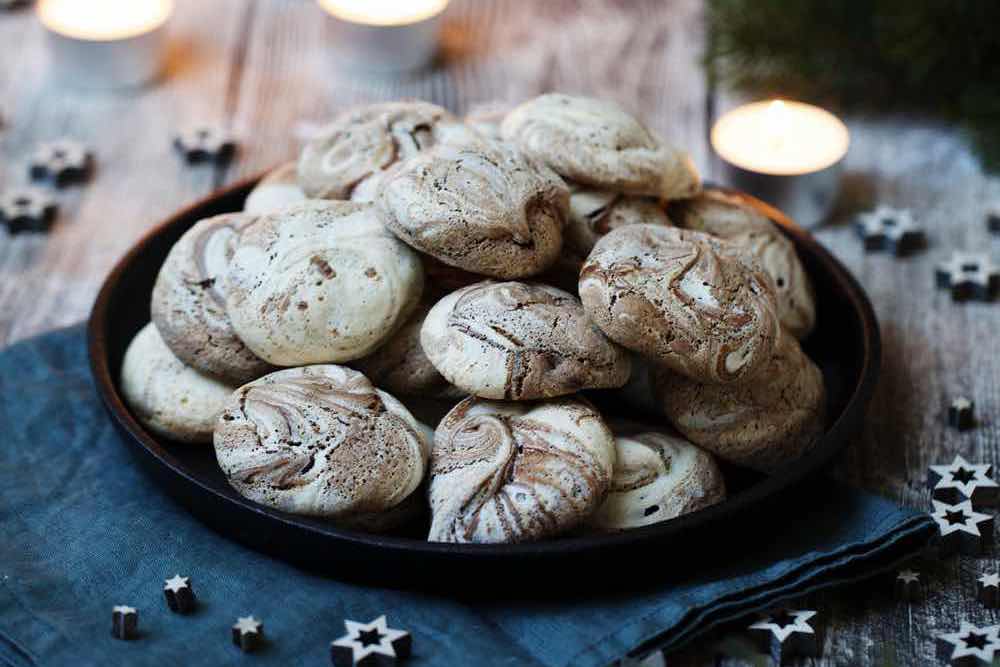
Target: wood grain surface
x=265, y=68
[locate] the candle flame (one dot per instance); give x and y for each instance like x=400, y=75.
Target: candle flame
x=103, y=20
x=383, y=12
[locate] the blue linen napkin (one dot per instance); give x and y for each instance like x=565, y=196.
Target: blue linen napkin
x=83, y=530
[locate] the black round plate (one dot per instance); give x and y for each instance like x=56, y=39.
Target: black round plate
x=845, y=345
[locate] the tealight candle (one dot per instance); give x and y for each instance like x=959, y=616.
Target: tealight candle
x=787, y=153
x=106, y=43
x=385, y=35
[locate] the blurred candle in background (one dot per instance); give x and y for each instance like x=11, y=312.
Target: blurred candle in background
x=787, y=153
x=106, y=43
x=385, y=35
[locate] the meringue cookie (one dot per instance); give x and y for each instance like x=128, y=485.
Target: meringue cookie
x=167, y=397
x=485, y=209
x=320, y=281
x=520, y=341
x=683, y=298
x=761, y=424
x=597, y=143
x=731, y=217
x=189, y=306
x=369, y=140
x=658, y=476
x=277, y=190
x=486, y=117
x=401, y=366
x=321, y=441
x=515, y=472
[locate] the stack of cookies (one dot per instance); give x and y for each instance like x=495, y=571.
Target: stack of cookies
x=507, y=265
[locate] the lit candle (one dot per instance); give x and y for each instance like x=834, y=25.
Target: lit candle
x=385, y=35
x=106, y=43
x=787, y=153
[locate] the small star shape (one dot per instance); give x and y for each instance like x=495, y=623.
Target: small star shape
x=205, y=144
x=176, y=583
x=908, y=576
x=969, y=276
x=122, y=609
x=782, y=624
x=990, y=580
x=961, y=526
x=961, y=480
x=988, y=589
x=61, y=162
x=970, y=642
x=27, y=209
x=370, y=643
x=247, y=625
x=890, y=229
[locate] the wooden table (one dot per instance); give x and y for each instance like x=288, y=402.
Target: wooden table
x=265, y=68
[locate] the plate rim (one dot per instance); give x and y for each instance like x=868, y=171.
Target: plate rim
x=832, y=441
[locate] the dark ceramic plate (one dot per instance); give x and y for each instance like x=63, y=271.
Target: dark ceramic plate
x=845, y=345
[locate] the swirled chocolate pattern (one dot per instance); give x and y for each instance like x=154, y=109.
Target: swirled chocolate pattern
x=278, y=189
x=401, y=366
x=366, y=141
x=730, y=217
x=597, y=143
x=685, y=299
x=761, y=424
x=516, y=472
x=167, y=397
x=486, y=209
x=321, y=281
x=322, y=441
x=658, y=476
x=189, y=306
x=520, y=341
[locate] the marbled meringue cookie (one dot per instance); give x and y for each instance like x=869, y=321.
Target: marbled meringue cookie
x=321, y=281
x=401, y=366
x=761, y=424
x=485, y=209
x=364, y=142
x=277, y=190
x=189, y=303
x=684, y=299
x=167, y=397
x=321, y=441
x=597, y=143
x=516, y=472
x=731, y=217
x=520, y=341
x=658, y=476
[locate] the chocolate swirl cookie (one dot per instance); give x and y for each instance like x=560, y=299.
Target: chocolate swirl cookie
x=485, y=209
x=520, y=341
x=278, y=189
x=400, y=365
x=321, y=281
x=658, y=476
x=321, y=441
x=167, y=397
x=368, y=140
x=730, y=217
x=516, y=472
x=189, y=304
x=683, y=298
x=761, y=424
x=597, y=143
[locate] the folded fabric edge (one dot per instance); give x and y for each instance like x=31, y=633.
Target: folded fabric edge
x=836, y=569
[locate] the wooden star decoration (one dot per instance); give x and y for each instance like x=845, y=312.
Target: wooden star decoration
x=988, y=590
x=179, y=594
x=248, y=633
x=786, y=634
x=27, y=209
x=368, y=644
x=205, y=144
x=961, y=480
x=908, y=586
x=61, y=162
x=961, y=528
x=961, y=414
x=890, y=229
x=969, y=276
x=124, y=622
x=971, y=645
